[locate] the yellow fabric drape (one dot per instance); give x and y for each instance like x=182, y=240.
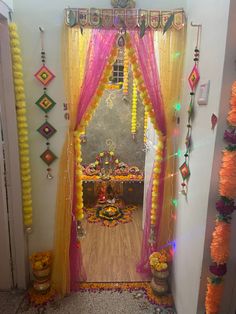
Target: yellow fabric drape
x=170, y=49
x=75, y=46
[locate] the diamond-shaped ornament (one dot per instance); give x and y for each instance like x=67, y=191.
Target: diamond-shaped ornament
x=45, y=103
x=185, y=171
x=194, y=77
x=46, y=130
x=44, y=75
x=48, y=157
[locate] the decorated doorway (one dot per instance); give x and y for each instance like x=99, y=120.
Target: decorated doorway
x=91, y=54
x=113, y=156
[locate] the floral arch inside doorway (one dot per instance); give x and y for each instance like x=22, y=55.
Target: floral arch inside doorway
x=89, y=58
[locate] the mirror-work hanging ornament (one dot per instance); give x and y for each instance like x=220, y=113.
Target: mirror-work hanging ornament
x=46, y=103
x=193, y=80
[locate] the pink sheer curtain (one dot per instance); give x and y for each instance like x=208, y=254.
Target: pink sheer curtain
x=144, y=48
x=101, y=44
x=100, y=48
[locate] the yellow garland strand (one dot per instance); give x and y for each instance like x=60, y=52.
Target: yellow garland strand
x=126, y=73
x=87, y=117
x=145, y=123
x=21, y=124
x=134, y=110
x=160, y=147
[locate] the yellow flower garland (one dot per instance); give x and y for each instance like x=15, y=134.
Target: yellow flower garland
x=126, y=73
x=134, y=109
x=148, y=107
x=21, y=124
x=145, y=123
x=87, y=117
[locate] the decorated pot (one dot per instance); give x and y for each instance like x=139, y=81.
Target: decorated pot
x=162, y=274
x=42, y=287
x=42, y=273
x=159, y=287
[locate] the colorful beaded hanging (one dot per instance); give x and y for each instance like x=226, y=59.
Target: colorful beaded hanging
x=46, y=103
x=193, y=80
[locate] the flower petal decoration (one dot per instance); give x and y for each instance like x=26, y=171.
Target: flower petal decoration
x=44, y=75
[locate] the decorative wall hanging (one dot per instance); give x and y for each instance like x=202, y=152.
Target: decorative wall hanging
x=46, y=103
x=125, y=18
x=225, y=206
x=22, y=126
x=193, y=80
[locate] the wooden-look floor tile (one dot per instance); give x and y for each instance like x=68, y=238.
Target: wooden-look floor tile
x=111, y=254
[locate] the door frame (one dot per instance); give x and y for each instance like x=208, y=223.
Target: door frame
x=18, y=238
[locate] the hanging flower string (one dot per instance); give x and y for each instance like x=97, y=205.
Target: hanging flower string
x=134, y=110
x=225, y=206
x=145, y=124
x=193, y=80
x=126, y=73
x=22, y=125
x=160, y=146
x=87, y=117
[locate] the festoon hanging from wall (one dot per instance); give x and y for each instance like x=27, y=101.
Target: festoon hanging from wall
x=46, y=103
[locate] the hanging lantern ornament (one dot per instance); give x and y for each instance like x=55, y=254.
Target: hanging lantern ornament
x=193, y=80
x=46, y=103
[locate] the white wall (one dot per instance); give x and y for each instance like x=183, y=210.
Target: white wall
x=29, y=15
x=192, y=213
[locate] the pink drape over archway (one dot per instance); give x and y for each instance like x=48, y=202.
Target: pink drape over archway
x=145, y=52
x=101, y=44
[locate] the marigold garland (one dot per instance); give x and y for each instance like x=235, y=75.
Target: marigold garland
x=134, y=110
x=225, y=206
x=213, y=298
x=228, y=174
x=126, y=73
x=22, y=125
x=165, y=301
x=145, y=124
x=81, y=130
x=220, y=243
x=232, y=113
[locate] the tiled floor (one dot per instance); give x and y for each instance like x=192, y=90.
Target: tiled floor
x=10, y=302
x=105, y=302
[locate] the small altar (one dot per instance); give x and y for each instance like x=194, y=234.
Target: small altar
x=107, y=171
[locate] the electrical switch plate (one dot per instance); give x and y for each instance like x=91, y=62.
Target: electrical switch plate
x=204, y=93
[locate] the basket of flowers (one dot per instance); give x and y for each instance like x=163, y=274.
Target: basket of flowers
x=159, y=262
